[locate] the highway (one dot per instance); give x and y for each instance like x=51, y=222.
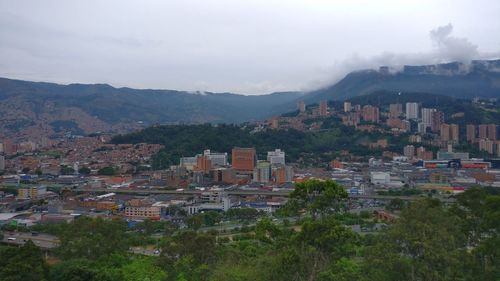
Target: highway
x=48, y=242
x=183, y=192
x=44, y=241
x=284, y=193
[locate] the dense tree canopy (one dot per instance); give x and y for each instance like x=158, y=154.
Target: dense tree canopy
x=307, y=147
x=319, y=197
x=427, y=241
x=24, y=263
x=93, y=238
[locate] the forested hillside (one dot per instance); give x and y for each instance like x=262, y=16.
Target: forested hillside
x=306, y=147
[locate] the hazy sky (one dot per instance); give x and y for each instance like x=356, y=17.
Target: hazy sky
x=249, y=47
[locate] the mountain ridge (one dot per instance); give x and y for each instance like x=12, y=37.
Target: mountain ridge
x=32, y=109
x=28, y=108
x=480, y=78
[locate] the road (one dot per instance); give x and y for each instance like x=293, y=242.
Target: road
x=48, y=242
x=146, y=251
x=183, y=192
x=284, y=193
x=44, y=241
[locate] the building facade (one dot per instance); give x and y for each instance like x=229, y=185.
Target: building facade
x=244, y=159
x=411, y=110
x=276, y=157
x=323, y=108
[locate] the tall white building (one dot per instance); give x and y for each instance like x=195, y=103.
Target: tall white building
x=217, y=159
x=427, y=116
x=276, y=157
x=411, y=110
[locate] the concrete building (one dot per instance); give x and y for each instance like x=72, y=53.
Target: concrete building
x=406, y=125
x=454, y=133
x=347, y=106
x=449, y=133
x=188, y=162
x=427, y=116
x=217, y=159
x=301, y=106
x=409, y=151
x=444, y=132
x=487, y=145
x=483, y=131
x=492, y=132
x=228, y=175
x=411, y=110
x=380, y=178
x=450, y=155
x=210, y=201
x=244, y=159
x=351, y=119
x=32, y=192
x=371, y=113
x=275, y=123
x=395, y=110
x=203, y=164
x=2, y=162
x=423, y=154
x=143, y=212
x=394, y=123
x=437, y=120
x=323, y=108
x=471, y=133
x=276, y=157
x=421, y=128
x=262, y=173
x=281, y=174
x=415, y=138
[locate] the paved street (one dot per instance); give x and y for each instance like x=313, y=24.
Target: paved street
x=44, y=241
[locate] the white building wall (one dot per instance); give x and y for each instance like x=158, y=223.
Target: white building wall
x=411, y=110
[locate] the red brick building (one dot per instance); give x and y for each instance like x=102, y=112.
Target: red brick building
x=244, y=159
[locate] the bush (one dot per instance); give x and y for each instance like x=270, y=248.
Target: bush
x=107, y=171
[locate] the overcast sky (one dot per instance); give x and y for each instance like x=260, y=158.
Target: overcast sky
x=249, y=47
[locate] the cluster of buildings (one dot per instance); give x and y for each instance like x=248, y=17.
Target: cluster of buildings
x=409, y=117
x=244, y=167
x=219, y=181
x=419, y=153
x=93, y=153
x=400, y=118
x=485, y=136
x=450, y=172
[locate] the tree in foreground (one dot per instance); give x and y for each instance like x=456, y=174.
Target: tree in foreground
x=188, y=254
x=479, y=209
x=21, y=264
x=93, y=238
x=319, y=197
x=425, y=243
